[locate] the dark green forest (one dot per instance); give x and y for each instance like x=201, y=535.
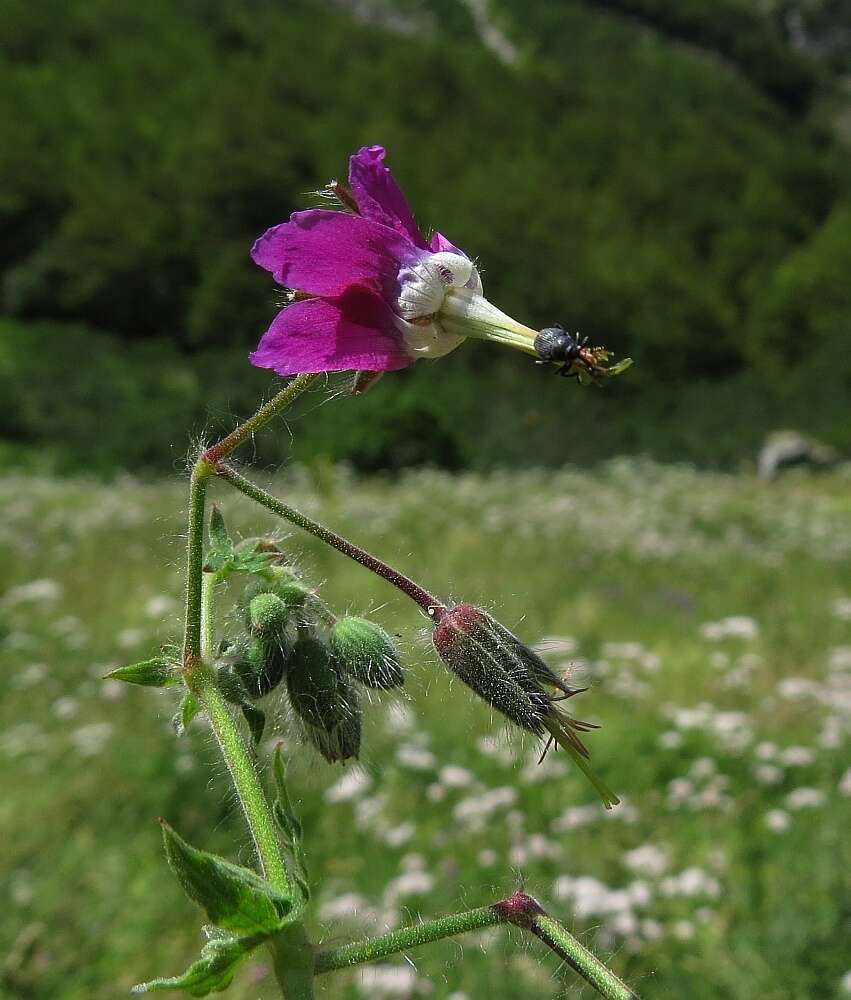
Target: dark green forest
x=669, y=177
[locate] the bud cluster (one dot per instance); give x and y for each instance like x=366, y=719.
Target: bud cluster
x=290, y=637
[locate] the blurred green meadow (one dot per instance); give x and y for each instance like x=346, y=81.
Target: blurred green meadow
x=710, y=613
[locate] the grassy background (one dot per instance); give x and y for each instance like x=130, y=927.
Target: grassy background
x=728, y=743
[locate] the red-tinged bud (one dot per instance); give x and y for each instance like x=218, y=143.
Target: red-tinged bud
x=495, y=664
x=468, y=644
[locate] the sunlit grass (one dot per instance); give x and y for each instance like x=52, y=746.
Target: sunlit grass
x=710, y=613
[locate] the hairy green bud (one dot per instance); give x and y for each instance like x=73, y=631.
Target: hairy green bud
x=364, y=650
x=268, y=616
x=325, y=701
x=231, y=685
x=262, y=665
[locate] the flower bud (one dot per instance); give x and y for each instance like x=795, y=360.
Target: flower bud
x=366, y=652
x=495, y=664
x=231, y=684
x=282, y=583
x=325, y=701
x=268, y=617
x=468, y=644
x=262, y=665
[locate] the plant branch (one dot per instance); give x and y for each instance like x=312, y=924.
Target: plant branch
x=428, y=602
x=520, y=910
x=201, y=473
x=374, y=949
x=527, y=913
x=242, y=766
x=276, y=404
x=580, y=959
x=291, y=951
x=202, y=470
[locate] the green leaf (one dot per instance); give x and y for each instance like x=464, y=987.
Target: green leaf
x=233, y=897
x=219, y=537
x=256, y=719
x=221, y=553
x=214, y=970
x=253, y=562
x=156, y=672
x=189, y=708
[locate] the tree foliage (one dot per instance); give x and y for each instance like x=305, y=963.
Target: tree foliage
x=673, y=202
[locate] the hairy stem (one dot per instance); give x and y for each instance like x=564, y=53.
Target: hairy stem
x=292, y=960
x=201, y=472
x=374, y=949
x=209, y=581
x=292, y=953
x=276, y=404
x=520, y=910
x=242, y=766
x=428, y=602
x=580, y=959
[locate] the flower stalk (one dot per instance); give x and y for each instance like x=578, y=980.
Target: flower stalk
x=292, y=953
x=428, y=602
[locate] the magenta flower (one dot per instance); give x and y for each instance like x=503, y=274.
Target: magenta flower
x=371, y=293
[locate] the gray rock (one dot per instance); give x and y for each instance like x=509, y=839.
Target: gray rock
x=783, y=449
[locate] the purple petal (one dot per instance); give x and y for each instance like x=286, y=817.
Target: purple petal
x=354, y=332
x=323, y=253
x=378, y=195
x=440, y=244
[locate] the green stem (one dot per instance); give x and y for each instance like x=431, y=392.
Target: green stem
x=203, y=469
x=268, y=410
x=520, y=910
x=580, y=959
x=209, y=581
x=375, y=949
x=292, y=960
x=428, y=602
x=291, y=951
x=243, y=770
x=201, y=472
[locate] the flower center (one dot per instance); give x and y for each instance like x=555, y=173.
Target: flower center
x=423, y=287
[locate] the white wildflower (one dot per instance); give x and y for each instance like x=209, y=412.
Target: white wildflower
x=453, y=776
x=66, y=708
x=735, y=627
x=415, y=758
x=797, y=756
x=777, y=820
x=648, y=859
x=353, y=783
x=91, y=739
x=395, y=836
x=768, y=774
x=35, y=590
x=805, y=798
x=841, y=608
x=414, y=883
x=691, y=882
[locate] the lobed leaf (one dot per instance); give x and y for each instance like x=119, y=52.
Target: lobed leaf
x=234, y=898
x=212, y=972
